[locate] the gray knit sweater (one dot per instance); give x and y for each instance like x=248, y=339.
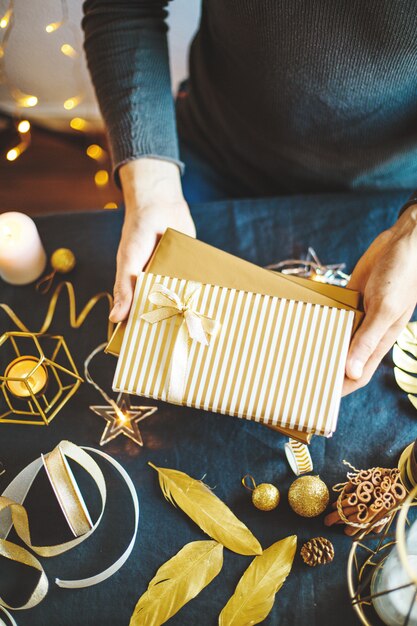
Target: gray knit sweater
x=284, y=95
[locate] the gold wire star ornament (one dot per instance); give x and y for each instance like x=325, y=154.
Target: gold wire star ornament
x=122, y=419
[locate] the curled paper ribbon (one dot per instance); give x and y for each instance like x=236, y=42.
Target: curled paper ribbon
x=75, y=320
x=12, y=513
x=194, y=325
x=298, y=457
x=8, y=615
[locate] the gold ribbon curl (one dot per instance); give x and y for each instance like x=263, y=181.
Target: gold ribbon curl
x=13, y=513
x=75, y=320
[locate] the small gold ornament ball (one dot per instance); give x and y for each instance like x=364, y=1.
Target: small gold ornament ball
x=265, y=497
x=308, y=496
x=63, y=260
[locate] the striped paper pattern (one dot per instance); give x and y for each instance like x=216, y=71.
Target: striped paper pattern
x=273, y=360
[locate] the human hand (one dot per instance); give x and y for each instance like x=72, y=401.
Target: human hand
x=386, y=276
x=154, y=202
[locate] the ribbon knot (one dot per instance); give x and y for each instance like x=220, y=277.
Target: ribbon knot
x=194, y=326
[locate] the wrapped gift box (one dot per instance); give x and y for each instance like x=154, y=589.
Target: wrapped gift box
x=277, y=357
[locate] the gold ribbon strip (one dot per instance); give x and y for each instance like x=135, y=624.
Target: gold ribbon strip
x=66, y=491
x=14, y=552
x=18, y=512
x=75, y=320
x=13, y=513
x=194, y=325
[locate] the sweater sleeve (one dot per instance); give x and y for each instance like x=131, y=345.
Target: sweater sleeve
x=127, y=55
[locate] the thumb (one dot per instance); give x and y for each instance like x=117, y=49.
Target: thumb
x=131, y=258
x=366, y=339
x=123, y=295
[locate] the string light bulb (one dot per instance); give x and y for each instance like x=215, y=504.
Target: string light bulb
x=14, y=153
x=4, y=21
x=68, y=51
x=71, y=103
x=110, y=205
x=95, y=152
x=52, y=27
x=101, y=178
x=24, y=100
x=78, y=123
x=23, y=127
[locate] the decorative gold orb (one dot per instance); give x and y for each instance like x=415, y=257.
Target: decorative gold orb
x=308, y=496
x=63, y=260
x=265, y=497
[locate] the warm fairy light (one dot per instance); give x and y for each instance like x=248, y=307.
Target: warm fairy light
x=101, y=178
x=23, y=127
x=68, y=50
x=1, y=52
x=4, y=21
x=122, y=417
x=26, y=100
x=14, y=153
x=78, y=123
x=319, y=278
x=110, y=205
x=95, y=152
x=52, y=27
x=71, y=103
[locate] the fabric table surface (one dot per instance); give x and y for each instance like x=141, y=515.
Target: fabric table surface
x=375, y=424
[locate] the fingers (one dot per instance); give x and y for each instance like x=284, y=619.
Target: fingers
x=381, y=350
x=378, y=320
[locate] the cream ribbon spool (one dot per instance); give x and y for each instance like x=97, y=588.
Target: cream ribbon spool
x=298, y=457
x=13, y=513
x=194, y=325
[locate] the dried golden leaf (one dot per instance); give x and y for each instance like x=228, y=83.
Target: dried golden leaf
x=409, y=334
x=403, y=360
x=404, y=356
x=177, y=582
x=255, y=592
x=207, y=511
x=407, y=346
x=412, y=328
x=405, y=381
x=413, y=400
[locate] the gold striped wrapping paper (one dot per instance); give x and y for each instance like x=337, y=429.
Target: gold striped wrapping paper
x=273, y=360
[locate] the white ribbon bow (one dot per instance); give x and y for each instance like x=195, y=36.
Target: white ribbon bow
x=195, y=325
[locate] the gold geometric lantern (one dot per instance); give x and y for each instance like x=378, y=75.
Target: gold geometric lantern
x=37, y=377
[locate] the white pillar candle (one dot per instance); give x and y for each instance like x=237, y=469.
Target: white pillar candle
x=22, y=257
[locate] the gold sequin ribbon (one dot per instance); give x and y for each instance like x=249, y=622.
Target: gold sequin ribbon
x=194, y=325
x=13, y=514
x=75, y=320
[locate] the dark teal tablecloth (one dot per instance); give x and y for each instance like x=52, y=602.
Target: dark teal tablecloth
x=374, y=426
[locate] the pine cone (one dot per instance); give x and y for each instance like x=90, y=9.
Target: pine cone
x=317, y=551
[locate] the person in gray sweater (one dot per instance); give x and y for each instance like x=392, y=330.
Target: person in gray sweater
x=283, y=96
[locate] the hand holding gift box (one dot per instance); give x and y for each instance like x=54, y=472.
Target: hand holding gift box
x=274, y=359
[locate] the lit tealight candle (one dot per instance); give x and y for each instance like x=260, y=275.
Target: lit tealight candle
x=22, y=257
x=29, y=378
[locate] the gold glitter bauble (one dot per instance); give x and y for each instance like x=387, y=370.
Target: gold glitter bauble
x=308, y=496
x=63, y=260
x=265, y=497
